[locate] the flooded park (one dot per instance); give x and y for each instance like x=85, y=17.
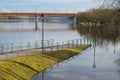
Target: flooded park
x=60, y=40
x=100, y=61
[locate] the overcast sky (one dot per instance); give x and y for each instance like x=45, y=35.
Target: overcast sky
x=46, y=5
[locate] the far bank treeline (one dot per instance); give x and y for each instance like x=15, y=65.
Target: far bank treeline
x=103, y=23
x=101, y=16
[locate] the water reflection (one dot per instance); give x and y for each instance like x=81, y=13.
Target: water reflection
x=17, y=35
x=41, y=76
x=37, y=35
x=108, y=63
x=114, y=51
x=80, y=67
x=24, y=32
x=94, y=64
x=118, y=65
x=100, y=57
x=94, y=46
x=109, y=34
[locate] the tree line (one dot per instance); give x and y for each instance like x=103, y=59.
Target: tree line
x=108, y=12
x=103, y=22
x=99, y=17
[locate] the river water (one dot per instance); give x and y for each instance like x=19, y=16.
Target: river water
x=24, y=32
x=96, y=63
x=100, y=62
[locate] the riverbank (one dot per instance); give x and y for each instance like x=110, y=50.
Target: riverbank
x=23, y=68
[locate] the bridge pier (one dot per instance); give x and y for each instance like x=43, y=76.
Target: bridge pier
x=36, y=23
x=74, y=21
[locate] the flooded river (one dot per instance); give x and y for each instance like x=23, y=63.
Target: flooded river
x=100, y=62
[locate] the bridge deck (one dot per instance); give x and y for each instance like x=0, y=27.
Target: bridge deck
x=37, y=14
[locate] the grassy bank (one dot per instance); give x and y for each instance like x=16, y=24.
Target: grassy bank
x=23, y=68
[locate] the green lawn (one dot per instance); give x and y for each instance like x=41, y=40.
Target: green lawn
x=23, y=68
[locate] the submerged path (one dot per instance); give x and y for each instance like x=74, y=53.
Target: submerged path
x=13, y=50
x=4, y=56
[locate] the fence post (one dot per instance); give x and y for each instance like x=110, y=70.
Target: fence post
x=51, y=47
x=20, y=48
x=48, y=43
x=80, y=41
x=76, y=42
x=72, y=43
x=11, y=47
x=91, y=42
x=84, y=40
x=6, y=47
x=28, y=45
x=62, y=45
x=57, y=45
x=36, y=45
x=44, y=47
x=52, y=41
x=68, y=44
x=87, y=41
x=2, y=48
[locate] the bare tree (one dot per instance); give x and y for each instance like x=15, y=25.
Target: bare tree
x=110, y=4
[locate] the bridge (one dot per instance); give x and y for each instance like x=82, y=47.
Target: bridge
x=38, y=14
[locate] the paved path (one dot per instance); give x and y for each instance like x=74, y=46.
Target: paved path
x=4, y=56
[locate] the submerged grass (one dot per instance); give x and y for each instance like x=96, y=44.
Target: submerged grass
x=23, y=68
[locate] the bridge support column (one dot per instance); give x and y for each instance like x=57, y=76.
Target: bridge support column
x=36, y=23
x=74, y=22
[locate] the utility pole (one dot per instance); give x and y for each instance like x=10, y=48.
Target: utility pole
x=36, y=20
x=42, y=16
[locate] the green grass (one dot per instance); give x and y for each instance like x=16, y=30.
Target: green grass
x=67, y=53
x=23, y=68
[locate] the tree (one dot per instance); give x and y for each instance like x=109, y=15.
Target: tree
x=110, y=4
